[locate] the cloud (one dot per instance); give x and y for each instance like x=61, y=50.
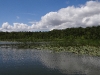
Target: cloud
x=71, y=16
x=85, y=15
x=16, y=27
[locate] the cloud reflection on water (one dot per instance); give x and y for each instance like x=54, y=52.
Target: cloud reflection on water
x=64, y=62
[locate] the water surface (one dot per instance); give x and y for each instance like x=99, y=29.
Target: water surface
x=41, y=62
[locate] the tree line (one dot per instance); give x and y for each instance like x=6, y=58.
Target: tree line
x=92, y=33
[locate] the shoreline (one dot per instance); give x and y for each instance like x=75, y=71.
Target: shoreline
x=78, y=49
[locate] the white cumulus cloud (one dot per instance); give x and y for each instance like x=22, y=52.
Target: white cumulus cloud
x=71, y=16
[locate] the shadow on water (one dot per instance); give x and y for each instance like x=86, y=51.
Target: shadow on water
x=40, y=62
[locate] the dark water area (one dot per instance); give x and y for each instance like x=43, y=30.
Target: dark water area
x=42, y=62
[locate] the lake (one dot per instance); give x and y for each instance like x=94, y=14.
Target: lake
x=44, y=62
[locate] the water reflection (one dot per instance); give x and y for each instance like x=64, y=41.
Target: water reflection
x=38, y=62
x=69, y=63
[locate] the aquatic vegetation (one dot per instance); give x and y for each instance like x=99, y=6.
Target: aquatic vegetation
x=76, y=40
x=58, y=47
x=87, y=50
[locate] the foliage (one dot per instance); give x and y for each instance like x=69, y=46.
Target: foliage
x=64, y=37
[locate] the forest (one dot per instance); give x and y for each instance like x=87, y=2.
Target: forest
x=76, y=40
x=68, y=34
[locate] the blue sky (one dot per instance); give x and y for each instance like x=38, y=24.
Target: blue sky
x=30, y=11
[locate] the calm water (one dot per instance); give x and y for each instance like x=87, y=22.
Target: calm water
x=38, y=62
